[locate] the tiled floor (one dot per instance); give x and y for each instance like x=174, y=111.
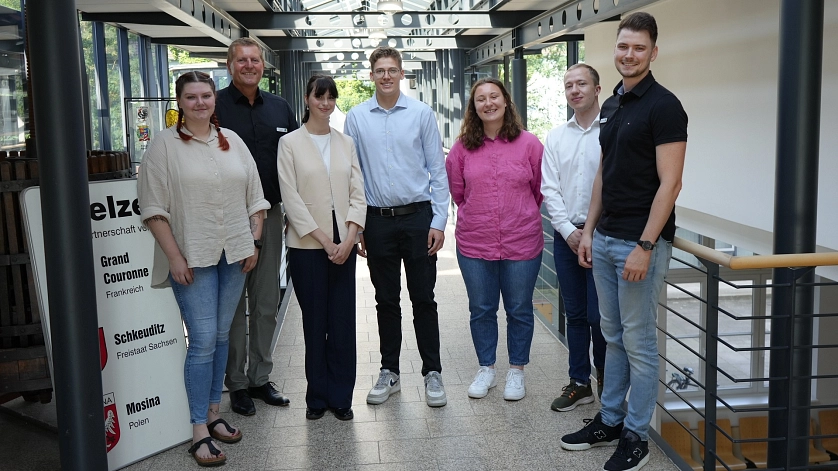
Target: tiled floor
x=403, y=433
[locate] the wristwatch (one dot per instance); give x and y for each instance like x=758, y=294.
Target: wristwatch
x=257, y=243
x=646, y=245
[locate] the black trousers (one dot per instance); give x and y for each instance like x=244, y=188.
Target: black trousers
x=326, y=293
x=391, y=240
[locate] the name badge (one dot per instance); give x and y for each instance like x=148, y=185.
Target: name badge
x=603, y=120
x=281, y=130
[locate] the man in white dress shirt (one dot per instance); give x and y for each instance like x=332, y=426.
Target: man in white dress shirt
x=570, y=162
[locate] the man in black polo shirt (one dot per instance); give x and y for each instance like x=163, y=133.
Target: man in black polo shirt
x=643, y=135
x=260, y=119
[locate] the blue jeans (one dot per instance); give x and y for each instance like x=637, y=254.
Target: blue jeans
x=582, y=309
x=485, y=281
x=207, y=307
x=629, y=316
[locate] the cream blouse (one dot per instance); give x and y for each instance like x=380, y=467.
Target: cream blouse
x=206, y=194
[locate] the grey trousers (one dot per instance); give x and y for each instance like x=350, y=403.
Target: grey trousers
x=262, y=289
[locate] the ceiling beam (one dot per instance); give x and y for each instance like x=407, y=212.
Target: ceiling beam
x=314, y=57
x=403, y=44
x=194, y=41
x=410, y=20
x=550, y=26
x=156, y=18
x=204, y=18
x=359, y=66
x=269, y=5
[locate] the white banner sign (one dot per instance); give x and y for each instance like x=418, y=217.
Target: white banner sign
x=141, y=341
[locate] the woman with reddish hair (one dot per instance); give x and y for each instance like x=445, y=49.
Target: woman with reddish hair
x=494, y=172
x=201, y=197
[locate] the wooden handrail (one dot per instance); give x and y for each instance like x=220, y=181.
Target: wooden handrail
x=756, y=261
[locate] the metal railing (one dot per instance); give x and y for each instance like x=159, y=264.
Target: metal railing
x=784, y=395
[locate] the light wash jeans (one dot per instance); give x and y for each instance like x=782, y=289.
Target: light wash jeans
x=628, y=320
x=207, y=307
x=485, y=281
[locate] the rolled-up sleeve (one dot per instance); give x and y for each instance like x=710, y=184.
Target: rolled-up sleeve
x=255, y=195
x=454, y=167
x=153, y=182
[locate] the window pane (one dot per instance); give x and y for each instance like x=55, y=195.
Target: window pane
x=736, y=333
x=687, y=308
x=87, y=44
x=114, y=89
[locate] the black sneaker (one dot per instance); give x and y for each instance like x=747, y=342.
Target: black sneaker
x=600, y=377
x=631, y=454
x=573, y=394
x=594, y=433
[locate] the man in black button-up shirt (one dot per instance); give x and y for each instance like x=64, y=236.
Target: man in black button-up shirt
x=643, y=135
x=260, y=119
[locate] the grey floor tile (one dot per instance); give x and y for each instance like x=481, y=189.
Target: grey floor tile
x=419, y=410
x=500, y=463
x=431, y=448
x=430, y=465
x=480, y=425
x=18, y=452
x=334, y=455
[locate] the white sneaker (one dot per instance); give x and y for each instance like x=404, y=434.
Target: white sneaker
x=515, y=390
x=388, y=383
x=434, y=390
x=485, y=380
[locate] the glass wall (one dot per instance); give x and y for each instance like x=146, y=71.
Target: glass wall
x=14, y=105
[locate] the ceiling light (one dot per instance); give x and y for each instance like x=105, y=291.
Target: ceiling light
x=390, y=6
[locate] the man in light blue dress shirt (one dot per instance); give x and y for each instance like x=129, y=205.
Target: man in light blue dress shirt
x=400, y=151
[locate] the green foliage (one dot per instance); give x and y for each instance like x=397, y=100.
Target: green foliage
x=179, y=56
x=546, y=105
x=13, y=4
x=352, y=92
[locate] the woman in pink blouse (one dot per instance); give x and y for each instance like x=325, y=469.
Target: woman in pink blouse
x=494, y=171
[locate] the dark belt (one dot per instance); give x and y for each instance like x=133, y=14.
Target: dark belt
x=397, y=210
x=579, y=226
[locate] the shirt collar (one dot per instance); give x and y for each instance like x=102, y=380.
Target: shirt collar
x=638, y=89
x=213, y=133
x=574, y=122
x=499, y=138
x=400, y=103
x=238, y=95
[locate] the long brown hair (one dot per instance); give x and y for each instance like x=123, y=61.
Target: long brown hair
x=471, y=132
x=197, y=77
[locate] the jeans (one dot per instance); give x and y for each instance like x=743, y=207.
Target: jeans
x=629, y=316
x=582, y=309
x=391, y=240
x=207, y=307
x=485, y=281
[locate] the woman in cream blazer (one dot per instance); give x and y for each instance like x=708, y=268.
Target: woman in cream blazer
x=323, y=192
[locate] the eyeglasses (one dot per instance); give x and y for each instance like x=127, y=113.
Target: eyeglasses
x=380, y=72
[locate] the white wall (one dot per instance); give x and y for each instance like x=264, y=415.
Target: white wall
x=720, y=58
